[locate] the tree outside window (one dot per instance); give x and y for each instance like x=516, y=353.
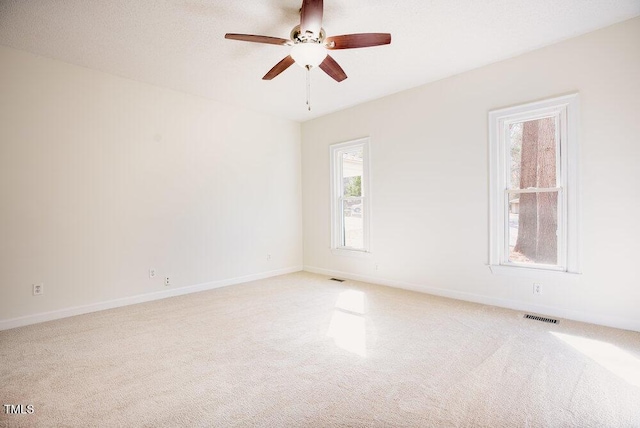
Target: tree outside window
x=534, y=186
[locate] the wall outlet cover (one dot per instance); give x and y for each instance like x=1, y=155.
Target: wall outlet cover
x=38, y=289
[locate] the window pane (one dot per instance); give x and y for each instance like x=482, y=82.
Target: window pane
x=533, y=224
x=353, y=225
x=352, y=173
x=533, y=153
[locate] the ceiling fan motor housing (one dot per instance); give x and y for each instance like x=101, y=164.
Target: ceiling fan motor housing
x=299, y=37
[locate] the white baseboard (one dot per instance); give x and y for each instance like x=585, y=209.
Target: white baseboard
x=140, y=298
x=606, y=320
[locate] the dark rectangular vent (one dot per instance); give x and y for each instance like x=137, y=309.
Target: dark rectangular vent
x=336, y=279
x=543, y=319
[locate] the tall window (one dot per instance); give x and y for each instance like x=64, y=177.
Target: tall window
x=534, y=205
x=350, y=195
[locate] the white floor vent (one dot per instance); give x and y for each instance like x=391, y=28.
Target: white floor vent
x=543, y=319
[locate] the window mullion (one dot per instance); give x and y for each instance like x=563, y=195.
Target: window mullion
x=534, y=190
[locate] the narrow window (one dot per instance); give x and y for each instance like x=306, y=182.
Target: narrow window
x=350, y=195
x=533, y=181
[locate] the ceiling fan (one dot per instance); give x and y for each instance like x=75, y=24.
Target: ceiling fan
x=310, y=44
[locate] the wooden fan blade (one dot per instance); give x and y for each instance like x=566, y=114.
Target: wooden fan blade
x=279, y=68
x=333, y=69
x=257, y=39
x=363, y=40
x=311, y=17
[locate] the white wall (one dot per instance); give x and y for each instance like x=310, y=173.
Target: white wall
x=102, y=178
x=429, y=154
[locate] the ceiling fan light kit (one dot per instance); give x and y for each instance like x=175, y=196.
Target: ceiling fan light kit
x=310, y=45
x=308, y=54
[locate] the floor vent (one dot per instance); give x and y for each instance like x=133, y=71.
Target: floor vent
x=336, y=279
x=543, y=319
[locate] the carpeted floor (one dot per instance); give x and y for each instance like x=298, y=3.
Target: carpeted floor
x=300, y=350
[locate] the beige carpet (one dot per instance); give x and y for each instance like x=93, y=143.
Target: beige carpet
x=300, y=350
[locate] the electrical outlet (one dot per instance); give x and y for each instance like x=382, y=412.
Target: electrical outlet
x=375, y=266
x=537, y=288
x=167, y=281
x=268, y=257
x=38, y=289
x=152, y=273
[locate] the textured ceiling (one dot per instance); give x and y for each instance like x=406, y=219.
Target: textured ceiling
x=180, y=44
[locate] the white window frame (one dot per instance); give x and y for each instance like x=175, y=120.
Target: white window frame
x=565, y=111
x=337, y=227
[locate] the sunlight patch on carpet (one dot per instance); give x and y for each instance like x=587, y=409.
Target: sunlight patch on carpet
x=614, y=359
x=351, y=301
x=347, y=327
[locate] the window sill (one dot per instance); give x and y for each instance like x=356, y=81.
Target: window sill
x=528, y=272
x=350, y=253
